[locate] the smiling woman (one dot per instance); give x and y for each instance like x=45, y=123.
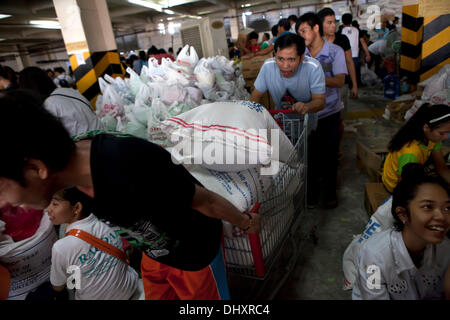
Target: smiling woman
x=412, y=260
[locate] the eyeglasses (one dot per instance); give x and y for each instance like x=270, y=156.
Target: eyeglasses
x=289, y=60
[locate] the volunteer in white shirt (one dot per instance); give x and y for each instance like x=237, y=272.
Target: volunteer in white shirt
x=410, y=262
x=293, y=20
x=67, y=104
x=353, y=36
x=376, y=49
x=103, y=277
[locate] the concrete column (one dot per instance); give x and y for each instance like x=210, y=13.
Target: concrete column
x=234, y=24
x=90, y=43
x=23, y=58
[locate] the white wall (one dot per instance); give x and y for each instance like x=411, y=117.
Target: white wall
x=160, y=41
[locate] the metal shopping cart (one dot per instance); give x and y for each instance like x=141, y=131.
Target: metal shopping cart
x=253, y=256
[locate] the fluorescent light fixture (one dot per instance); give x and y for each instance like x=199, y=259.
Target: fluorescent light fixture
x=45, y=24
x=169, y=11
x=1, y=39
x=147, y=4
x=204, y=12
x=246, y=5
x=3, y=16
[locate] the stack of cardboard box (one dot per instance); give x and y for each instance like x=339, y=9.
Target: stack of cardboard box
x=250, y=71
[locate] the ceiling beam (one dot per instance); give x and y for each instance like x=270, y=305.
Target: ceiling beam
x=222, y=4
x=42, y=6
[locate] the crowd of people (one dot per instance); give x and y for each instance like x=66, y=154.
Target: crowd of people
x=308, y=75
x=136, y=62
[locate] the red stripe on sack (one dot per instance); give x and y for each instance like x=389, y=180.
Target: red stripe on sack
x=245, y=134
x=216, y=125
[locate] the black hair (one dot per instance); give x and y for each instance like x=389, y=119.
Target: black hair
x=275, y=30
x=311, y=19
x=396, y=19
x=355, y=24
x=285, y=24
x=142, y=55
x=267, y=35
x=390, y=26
x=289, y=40
x=9, y=74
x=28, y=131
x=413, y=176
x=325, y=12
x=162, y=51
x=253, y=35
x=347, y=19
x=171, y=49
x=73, y=195
x=59, y=69
x=433, y=116
x=36, y=80
x=292, y=18
x=152, y=51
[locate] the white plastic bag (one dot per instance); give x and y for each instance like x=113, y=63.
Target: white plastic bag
x=144, y=96
x=145, y=74
x=204, y=74
x=208, y=92
x=187, y=58
x=135, y=128
x=110, y=104
x=135, y=81
x=441, y=97
x=437, y=83
x=157, y=114
x=368, y=77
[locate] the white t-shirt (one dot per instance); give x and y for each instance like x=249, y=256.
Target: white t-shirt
x=378, y=47
x=353, y=36
x=74, y=111
x=399, y=278
x=103, y=277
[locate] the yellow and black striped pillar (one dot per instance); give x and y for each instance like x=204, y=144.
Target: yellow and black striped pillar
x=435, y=45
x=96, y=65
x=411, y=48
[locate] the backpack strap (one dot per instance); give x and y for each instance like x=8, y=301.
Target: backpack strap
x=100, y=244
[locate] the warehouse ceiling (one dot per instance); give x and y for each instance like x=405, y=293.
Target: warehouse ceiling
x=17, y=35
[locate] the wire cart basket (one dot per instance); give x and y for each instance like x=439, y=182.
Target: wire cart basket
x=253, y=256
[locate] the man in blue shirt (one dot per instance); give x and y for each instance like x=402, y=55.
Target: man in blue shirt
x=326, y=147
x=294, y=81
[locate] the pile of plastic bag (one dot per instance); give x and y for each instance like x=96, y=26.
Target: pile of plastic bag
x=138, y=104
x=436, y=91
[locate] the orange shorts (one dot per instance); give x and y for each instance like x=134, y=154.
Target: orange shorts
x=162, y=282
x=5, y=282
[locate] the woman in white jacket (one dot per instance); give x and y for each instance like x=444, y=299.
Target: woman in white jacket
x=68, y=105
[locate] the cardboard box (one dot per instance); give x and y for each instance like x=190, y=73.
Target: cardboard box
x=374, y=196
x=251, y=67
x=398, y=109
x=266, y=99
x=370, y=161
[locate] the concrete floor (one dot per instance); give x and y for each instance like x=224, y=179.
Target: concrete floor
x=317, y=273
